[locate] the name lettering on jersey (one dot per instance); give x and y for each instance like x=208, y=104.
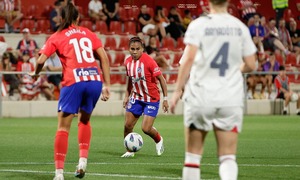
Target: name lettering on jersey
x=74, y=31
x=223, y=31
x=87, y=71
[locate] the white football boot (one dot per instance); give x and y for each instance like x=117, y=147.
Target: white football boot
x=160, y=147
x=128, y=154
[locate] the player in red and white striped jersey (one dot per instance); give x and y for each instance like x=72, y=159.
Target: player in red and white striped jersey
x=142, y=95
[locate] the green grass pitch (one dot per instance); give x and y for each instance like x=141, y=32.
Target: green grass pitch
x=269, y=148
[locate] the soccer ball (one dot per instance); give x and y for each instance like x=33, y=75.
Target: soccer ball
x=133, y=142
x=294, y=97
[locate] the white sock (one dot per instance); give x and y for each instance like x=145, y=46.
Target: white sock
x=228, y=169
x=82, y=160
x=191, y=169
x=285, y=108
x=58, y=171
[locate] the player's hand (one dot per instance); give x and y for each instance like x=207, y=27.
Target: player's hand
x=125, y=102
x=165, y=106
x=33, y=75
x=105, y=93
x=176, y=96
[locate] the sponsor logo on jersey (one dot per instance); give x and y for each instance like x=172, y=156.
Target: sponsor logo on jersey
x=87, y=71
x=152, y=107
x=135, y=80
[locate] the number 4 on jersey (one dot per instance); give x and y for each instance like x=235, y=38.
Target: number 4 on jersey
x=220, y=60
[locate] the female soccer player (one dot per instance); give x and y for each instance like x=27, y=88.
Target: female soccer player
x=81, y=84
x=218, y=49
x=142, y=94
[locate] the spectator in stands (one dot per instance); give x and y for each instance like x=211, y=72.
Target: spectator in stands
x=10, y=13
x=270, y=65
x=170, y=27
x=295, y=37
x=248, y=9
x=284, y=91
x=11, y=79
x=30, y=88
x=175, y=17
x=53, y=64
x=284, y=35
x=27, y=43
x=148, y=25
x=257, y=33
x=204, y=7
x=153, y=51
x=55, y=17
x=96, y=10
x=271, y=41
x=260, y=79
x=111, y=9
x=279, y=6
x=187, y=19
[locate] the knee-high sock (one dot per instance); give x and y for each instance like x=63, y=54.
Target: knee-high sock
x=228, y=169
x=191, y=169
x=60, y=148
x=84, y=139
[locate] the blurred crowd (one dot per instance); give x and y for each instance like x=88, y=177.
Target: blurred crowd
x=277, y=40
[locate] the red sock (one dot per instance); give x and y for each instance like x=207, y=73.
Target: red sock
x=60, y=148
x=157, y=138
x=84, y=138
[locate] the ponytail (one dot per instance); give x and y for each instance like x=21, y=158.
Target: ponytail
x=69, y=16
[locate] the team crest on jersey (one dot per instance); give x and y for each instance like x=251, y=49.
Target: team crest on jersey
x=139, y=69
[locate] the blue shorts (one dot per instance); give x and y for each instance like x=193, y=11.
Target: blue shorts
x=137, y=107
x=79, y=96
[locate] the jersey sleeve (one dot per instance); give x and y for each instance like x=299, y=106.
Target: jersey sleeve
x=49, y=47
x=96, y=41
x=153, y=67
x=248, y=47
x=192, y=34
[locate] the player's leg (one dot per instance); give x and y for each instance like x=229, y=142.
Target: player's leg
x=227, y=144
x=133, y=112
x=150, y=113
x=194, y=141
x=226, y=129
x=287, y=99
x=91, y=95
x=68, y=105
x=61, y=141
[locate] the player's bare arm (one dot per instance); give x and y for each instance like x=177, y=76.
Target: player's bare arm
x=163, y=85
x=183, y=73
x=249, y=64
x=106, y=73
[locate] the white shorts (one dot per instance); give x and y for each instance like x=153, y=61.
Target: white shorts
x=225, y=118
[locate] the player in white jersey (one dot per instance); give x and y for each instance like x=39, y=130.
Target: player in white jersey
x=218, y=50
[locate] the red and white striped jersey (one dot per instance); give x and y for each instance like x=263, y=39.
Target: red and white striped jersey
x=75, y=48
x=143, y=73
x=7, y=5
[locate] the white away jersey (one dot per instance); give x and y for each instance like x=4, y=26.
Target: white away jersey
x=215, y=77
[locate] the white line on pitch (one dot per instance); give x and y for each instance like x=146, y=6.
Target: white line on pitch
x=156, y=164
x=92, y=174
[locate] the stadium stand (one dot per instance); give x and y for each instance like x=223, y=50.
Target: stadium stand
x=115, y=27
x=101, y=27
x=110, y=43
